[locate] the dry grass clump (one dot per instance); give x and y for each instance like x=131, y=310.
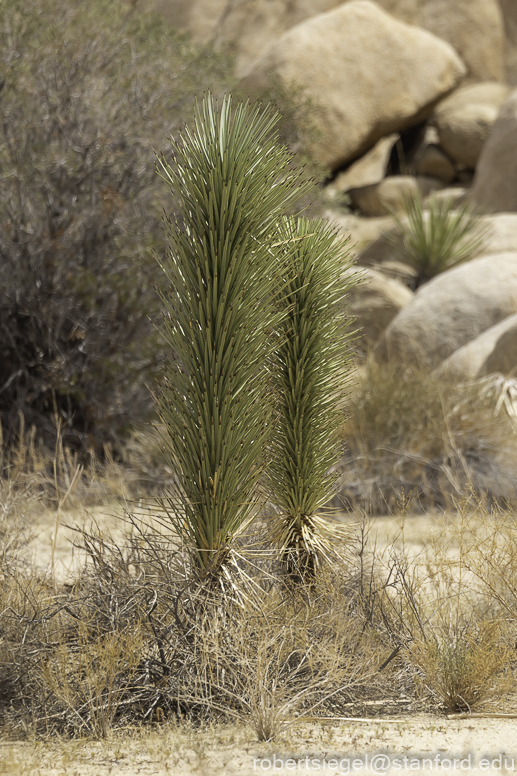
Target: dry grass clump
x=464, y=670
x=16, y=505
x=30, y=472
x=62, y=670
x=272, y=663
x=409, y=429
x=90, y=680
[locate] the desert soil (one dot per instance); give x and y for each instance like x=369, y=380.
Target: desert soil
x=425, y=743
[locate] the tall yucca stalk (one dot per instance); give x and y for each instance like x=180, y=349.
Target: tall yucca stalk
x=231, y=180
x=313, y=364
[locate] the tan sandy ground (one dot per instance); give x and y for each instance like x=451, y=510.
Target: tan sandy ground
x=476, y=744
x=429, y=744
x=414, y=532
x=67, y=557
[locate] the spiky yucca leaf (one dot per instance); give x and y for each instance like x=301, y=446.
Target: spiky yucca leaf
x=440, y=238
x=230, y=180
x=313, y=364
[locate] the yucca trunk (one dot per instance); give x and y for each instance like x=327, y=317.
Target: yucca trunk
x=313, y=364
x=229, y=176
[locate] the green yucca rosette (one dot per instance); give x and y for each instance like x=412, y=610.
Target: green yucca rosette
x=232, y=182
x=312, y=367
x=439, y=237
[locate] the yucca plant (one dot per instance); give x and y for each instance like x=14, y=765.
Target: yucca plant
x=232, y=183
x=438, y=238
x=312, y=367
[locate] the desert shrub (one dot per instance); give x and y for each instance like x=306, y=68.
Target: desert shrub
x=438, y=238
x=410, y=430
x=463, y=668
x=71, y=655
x=456, y=648
x=488, y=541
x=135, y=639
x=89, y=91
x=461, y=672
x=132, y=641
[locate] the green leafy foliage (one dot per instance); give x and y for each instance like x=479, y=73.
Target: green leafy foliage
x=313, y=364
x=89, y=90
x=438, y=238
x=223, y=274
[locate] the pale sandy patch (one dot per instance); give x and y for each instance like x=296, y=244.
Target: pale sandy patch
x=429, y=743
x=68, y=557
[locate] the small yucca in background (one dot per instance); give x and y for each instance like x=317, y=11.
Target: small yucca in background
x=231, y=181
x=312, y=368
x=438, y=238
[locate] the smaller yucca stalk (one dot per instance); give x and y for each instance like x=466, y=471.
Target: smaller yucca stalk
x=438, y=238
x=230, y=182
x=312, y=367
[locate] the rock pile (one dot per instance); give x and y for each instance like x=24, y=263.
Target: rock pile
x=410, y=97
x=474, y=28
x=339, y=59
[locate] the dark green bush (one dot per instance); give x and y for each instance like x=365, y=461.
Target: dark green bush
x=89, y=92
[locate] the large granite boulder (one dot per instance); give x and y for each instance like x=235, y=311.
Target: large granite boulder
x=451, y=310
x=495, y=183
x=248, y=26
x=494, y=350
x=340, y=60
x=465, y=119
x=474, y=28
